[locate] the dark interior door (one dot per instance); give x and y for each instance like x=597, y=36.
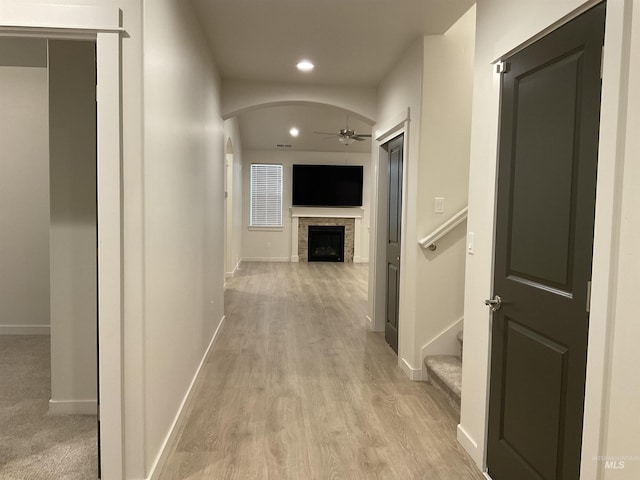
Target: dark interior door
x=394, y=149
x=544, y=240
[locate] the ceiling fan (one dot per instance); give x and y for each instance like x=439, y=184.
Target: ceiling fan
x=346, y=135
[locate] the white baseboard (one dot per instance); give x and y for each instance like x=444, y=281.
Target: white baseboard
x=295, y=259
x=25, y=330
x=180, y=417
x=372, y=325
x=360, y=260
x=73, y=407
x=414, y=374
x=267, y=259
x=445, y=343
x=470, y=446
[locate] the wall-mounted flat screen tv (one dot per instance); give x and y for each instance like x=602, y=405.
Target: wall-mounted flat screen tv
x=327, y=185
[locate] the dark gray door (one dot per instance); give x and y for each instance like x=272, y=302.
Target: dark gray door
x=544, y=239
x=394, y=149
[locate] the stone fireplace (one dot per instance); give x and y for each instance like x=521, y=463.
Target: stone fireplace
x=304, y=217
x=306, y=224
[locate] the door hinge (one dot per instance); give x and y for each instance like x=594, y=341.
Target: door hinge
x=601, y=62
x=589, y=296
x=502, y=67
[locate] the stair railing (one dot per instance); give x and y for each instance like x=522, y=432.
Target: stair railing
x=430, y=240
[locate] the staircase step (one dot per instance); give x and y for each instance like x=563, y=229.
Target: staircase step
x=445, y=373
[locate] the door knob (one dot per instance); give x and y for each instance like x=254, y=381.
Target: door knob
x=494, y=303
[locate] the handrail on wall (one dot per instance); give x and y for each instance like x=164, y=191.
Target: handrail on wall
x=430, y=240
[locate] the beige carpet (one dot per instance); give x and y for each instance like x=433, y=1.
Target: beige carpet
x=34, y=445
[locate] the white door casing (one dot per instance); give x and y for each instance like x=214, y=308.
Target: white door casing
x=101, y=24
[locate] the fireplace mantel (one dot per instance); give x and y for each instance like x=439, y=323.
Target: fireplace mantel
x=327, y=212
x=357, y=213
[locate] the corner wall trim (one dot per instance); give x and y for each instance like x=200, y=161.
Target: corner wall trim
x=414, y=374
x=372, y=324
x=180, y=418
x=446, y=342
x=392, y=127
x=73, y=407
x=25, y=330
x=470, y=446
x=232, y=273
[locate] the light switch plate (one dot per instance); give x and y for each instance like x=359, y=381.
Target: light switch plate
x=470, y=242
x=438, y=205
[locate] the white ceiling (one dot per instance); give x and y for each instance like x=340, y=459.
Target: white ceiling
x=351, y=42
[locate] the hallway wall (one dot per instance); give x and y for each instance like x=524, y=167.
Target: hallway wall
x=399, y=94
x=444, y=172
x=24, y=187
x=433, y=79
x=183, y=212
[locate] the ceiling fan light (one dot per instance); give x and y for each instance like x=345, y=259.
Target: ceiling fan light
x=346, y=140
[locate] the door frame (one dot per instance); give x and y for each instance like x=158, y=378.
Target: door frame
x=608, y=191
x=102, y=25
x=379, y=217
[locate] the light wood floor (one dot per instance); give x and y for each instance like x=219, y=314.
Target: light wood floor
x=297, y=388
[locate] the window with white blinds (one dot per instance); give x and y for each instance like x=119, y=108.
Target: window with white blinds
x=266, y=195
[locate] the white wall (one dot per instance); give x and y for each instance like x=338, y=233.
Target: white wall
x=183, y=212
x=503, y=25
x=444, y=172
x=234, y=197
x=275, y=244
x=398, y=93
x=73, y=234
x=24, y=188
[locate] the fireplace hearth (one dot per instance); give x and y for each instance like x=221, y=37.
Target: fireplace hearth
x=326, y=243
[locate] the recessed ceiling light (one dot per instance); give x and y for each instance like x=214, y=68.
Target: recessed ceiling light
x=305, y=66
x=294, y=132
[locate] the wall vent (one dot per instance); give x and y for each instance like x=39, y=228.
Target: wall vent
x=283, y=145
